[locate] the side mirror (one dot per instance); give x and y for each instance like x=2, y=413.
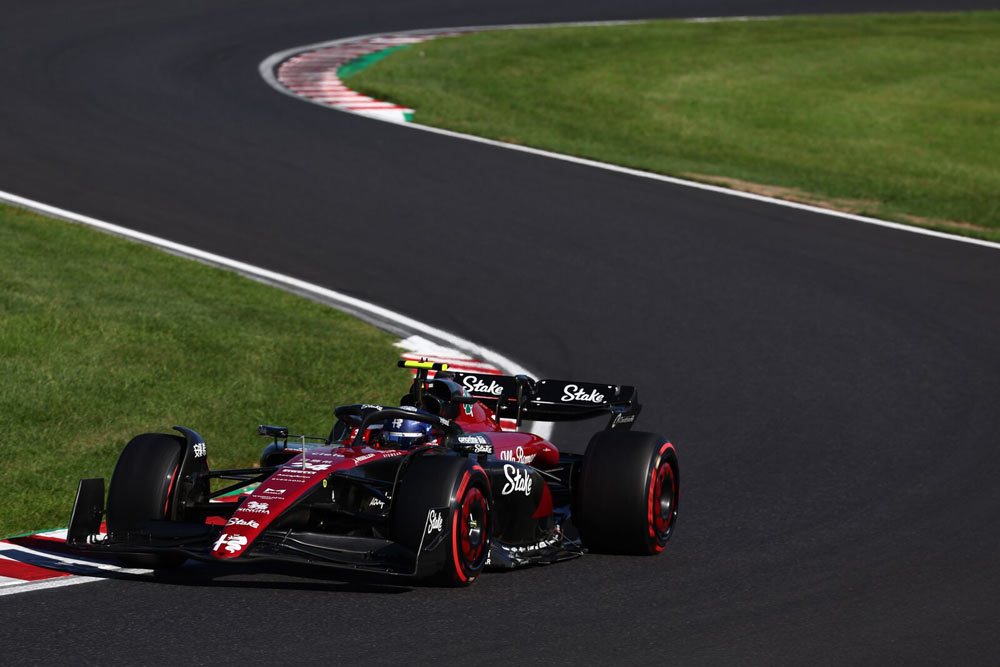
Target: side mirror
x=272, y=431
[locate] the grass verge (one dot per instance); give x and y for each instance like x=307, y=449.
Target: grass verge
x=893, y=116
x=102, y=339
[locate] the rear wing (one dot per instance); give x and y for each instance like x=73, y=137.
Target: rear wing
x=521, y=398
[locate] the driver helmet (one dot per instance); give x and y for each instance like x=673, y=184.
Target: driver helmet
x=404, y=433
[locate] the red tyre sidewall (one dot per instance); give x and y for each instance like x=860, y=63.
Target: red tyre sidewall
x=663, y=478
x=474, y=486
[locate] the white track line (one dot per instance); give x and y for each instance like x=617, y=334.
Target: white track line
x=269, y=66
x=47, y=583
x=71, y=580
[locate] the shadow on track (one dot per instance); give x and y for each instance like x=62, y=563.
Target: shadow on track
x=277, y=576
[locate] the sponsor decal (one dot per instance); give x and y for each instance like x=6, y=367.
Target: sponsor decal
x=233, y=542
x=236, y=521
x=480, y=444
x=359, y=459
x=376, y=503
x=291, y=475
x=254, y=507
x=518, y=480
x=408, y=408
x=468, y=408
x=274, y=492
x=623, y=419
x=369, y=406
x=536, y=546
x=297, y=469
x=434, y=521
x=474, y=385
x=572, y=392
x=200, y=450
x=516, y=455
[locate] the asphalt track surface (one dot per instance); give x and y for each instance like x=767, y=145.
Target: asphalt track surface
x=832, y=387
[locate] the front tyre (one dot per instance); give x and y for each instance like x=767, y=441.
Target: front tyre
x=455, y=553
x=141, y=490
x=627, y=493
x=470, y=542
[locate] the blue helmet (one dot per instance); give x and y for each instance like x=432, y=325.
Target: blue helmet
x=405, y=433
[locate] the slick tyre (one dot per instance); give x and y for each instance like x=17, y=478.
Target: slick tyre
x=140, y=491
x=457, y=489
x=627, y=493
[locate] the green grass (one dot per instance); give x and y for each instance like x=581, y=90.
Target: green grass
x=896, y=116
x=102, y=339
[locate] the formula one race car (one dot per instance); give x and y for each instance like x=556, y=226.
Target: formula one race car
x=434, y=488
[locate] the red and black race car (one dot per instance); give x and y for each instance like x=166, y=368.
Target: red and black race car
x=433, y=488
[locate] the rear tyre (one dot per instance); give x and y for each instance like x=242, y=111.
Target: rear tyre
x=455, y=553
x=140, y=490
x=627, y=493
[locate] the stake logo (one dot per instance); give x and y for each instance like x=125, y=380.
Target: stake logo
x=434, y=521
x=474, y=385
x=518, y=479
x=572, y=392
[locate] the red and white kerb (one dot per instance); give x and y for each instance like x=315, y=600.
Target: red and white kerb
x=313, y=75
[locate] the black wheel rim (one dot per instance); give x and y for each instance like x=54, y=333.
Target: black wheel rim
x=473, y=528
x=663, y=501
